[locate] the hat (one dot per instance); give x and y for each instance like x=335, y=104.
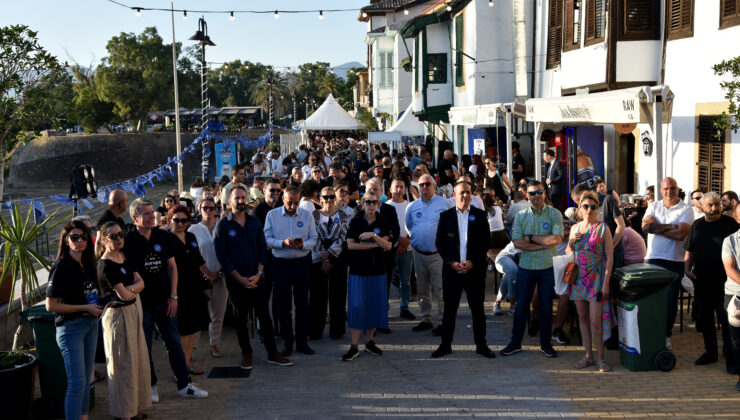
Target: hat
x=733, y=312
x=571, y=213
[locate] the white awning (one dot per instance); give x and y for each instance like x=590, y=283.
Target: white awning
x=631, y=105
x=383, y=136
x=475, y=116
x=409, y=124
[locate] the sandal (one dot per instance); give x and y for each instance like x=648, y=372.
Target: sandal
x=195, y=371
x=604, y=366
x=584, y=363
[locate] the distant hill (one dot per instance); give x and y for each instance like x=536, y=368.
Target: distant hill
x=341, y=69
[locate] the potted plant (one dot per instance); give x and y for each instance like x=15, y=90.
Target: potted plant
x=19, y=263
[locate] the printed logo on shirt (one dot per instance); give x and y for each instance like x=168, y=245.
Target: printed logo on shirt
x=471, y=217
x=194, y=244
x=232, y=233
x=545, y=225
x=123, y=270
x=419, y=214
x=336, y=220
x=377, y=231
x=157, y=248
x=299, y=224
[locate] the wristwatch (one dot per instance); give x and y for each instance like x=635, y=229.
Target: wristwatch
x=262, y=273
x=174, y=297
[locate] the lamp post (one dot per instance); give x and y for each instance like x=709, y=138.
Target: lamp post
x=201, y=35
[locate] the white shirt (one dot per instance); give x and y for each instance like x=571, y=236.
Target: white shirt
x=496, y=222
x=462, y=228
x=307, y=205
x=473, y=170
x=205, y=243
x=276, y=165
x=306, y=171
x=659, y=246
x=697, y=213
x=401, y=213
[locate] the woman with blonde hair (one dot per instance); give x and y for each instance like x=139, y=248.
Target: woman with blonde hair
x=591, y=241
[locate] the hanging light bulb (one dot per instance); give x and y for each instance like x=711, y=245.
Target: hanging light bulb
x=490, y=3
x=321, y=14
x=449, y=8
x=138, y=11
x=231, y=16
x=185, y=14
x=364, y=14
x=405, y=11
x=277, y=15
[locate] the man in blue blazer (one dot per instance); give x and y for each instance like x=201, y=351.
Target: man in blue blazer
x=555, y=179
x=463, y=238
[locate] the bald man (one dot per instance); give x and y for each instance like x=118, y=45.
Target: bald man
x=117, y=205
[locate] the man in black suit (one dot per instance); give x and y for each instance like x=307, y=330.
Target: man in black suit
x=463, y=240
x=555, y=179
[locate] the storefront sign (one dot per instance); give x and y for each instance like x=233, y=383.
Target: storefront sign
x=621, y=106
x=463, y=116
x=625, y=128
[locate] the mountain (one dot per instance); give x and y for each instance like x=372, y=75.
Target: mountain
x=341, y=69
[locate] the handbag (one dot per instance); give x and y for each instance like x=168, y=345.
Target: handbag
x=569, y=276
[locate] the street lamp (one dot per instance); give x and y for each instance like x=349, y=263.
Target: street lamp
x=201, y=35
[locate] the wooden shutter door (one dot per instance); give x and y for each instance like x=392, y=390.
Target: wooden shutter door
x=711, y=157
x=459, y=31
x=554, y=32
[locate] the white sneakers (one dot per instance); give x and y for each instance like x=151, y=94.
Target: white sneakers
x=190, y=391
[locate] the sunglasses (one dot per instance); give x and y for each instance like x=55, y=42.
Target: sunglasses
x=318, y=171
x=169, y=201
x=533, y=193
x=74, y=237
x=696, y=198
x=114, y=236
x=425, y=184
x=208, y=208
x=371, y=202
x=275, y=190
x=329, y=197
x=179, y=221
x=589, y=206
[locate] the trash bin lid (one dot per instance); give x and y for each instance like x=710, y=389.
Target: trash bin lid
x=640, y=280
x=39, y=313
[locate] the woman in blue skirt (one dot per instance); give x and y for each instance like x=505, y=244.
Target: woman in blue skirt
x=367, y=239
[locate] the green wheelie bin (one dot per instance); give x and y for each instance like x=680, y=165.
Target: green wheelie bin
x=642, y=299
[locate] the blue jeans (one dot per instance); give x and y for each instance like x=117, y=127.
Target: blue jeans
x=509, y=267
x=77, y=340
x=678, y=268
x=403, y=267
x=526, y=280
x=170, y=334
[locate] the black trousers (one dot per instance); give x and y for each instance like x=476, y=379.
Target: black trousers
x=271, y=296
x=291, y=280
x=331, y=288
x=711, y=300
x=474, y=285
x=245, y=299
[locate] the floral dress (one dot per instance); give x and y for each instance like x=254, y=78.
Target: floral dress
x=591, y=259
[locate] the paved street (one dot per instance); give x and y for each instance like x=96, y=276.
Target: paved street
x=405, y=382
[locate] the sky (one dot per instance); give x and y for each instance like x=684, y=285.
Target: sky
x=80, y=29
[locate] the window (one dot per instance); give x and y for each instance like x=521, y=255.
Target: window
x=711, y=157
x=572, y=25
x=639, y=20
x=729, y=13
x=680, y=19
x=459, y=31
x=386, y=69
x=417, y=66
x=595, y=21
x=437, y=68
x=554, y=32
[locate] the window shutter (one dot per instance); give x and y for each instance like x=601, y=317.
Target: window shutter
x=568, y=26
x=459, y=31
x=729, y=13
x=729, y=8
x=680, y=19
x=638, y=15
x=417, y=64
x=554, y=33
x=595, y=21
x=382, y=70
x=590, y=19
x=711, y=158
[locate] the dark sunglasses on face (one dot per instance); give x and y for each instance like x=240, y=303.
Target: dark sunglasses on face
x=114, y=236
x=274, y=190
x=696, y=198
x=371, y=202
x=317, y=171
x=425, y=184
x=74, y=237
x=329, y=197
x=589, y=206
x=180, y=221
x=208, y=208
x=537, y=192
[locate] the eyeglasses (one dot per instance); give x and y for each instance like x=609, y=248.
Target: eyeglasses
x=180, y=221
x=329, y=197
x=425, y=184
x=370, y=202
x=169, y=201
x=589, y=206
x=696, y=198
x=318, y=171
x=114, y=236
x=275, y=190
x=208, y=208
x=74, y=237
x=533, y=193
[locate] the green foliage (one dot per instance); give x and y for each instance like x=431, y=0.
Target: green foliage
x=230, y=84
x=11, y=359
x=88, y=109
x=19, y=253
x=729, y=120
x=28, y=75
x=367, y=119
x=272, y=82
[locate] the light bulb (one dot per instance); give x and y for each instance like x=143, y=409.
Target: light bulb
x=138, y=12
x=449, y=8
x=490, y=3
x=364, y=14
x=321, y=14
x=185, y=14
x=405, y=11
x=277, y=15
x=231, y=16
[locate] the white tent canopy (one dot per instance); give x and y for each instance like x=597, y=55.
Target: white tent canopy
x=409, y=125
x=330, y=116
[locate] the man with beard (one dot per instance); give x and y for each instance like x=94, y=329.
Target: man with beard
x=729, y=201
x=272, y=200
x=703, y=265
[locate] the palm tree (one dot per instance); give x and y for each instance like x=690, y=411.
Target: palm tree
x=271, y=85
x=329, y=84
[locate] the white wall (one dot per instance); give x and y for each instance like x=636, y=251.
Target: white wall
x=439, y=42
x=584, y=66
x=638, y=61
x=401, y=78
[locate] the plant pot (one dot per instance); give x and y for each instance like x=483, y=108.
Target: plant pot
x=5, y=288
x=16, y=388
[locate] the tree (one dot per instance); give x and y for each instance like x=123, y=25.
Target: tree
x=88, y=109
x=729, y=120
x=27, y=75
x=229, y=85
x=274, y=83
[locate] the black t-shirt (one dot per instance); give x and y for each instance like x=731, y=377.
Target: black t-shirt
x=108, y=216
x=608, y=211
x=445, y=165
x=495, y=183
x=112, y=273
x=516, y=161
x=705, y=241
x=260, y=211
x=73, y=285
x=149, y=259
x=368, y=262
x=190, y=283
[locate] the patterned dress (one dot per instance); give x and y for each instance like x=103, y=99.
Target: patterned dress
x=591, y=260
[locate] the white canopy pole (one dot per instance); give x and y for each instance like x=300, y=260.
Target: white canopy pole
x=538, y=128
x=509, y=157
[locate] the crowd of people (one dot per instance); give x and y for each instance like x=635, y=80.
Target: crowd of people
x=324, y=232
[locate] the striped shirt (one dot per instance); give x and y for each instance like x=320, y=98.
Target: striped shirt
x=548, y=221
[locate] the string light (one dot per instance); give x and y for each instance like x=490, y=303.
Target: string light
x=490, y=3
x=449, y=8
x=231, y=16
x=138, y=11
x=321, y=14
x=364, y=14
x=185, y=14
x=277, y=15
x=405, y=11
